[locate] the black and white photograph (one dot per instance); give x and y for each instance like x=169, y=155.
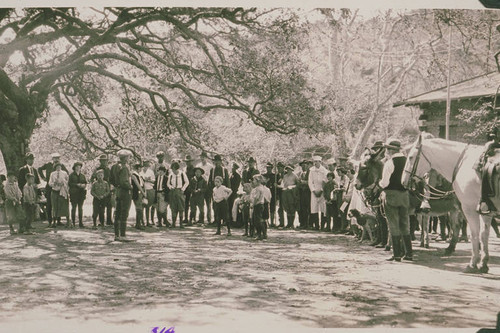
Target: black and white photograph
x=239, y=167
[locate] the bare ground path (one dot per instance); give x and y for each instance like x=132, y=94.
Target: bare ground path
x=191, y=278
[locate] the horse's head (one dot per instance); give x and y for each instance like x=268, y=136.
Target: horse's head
x=417, y=163
x=369, y=172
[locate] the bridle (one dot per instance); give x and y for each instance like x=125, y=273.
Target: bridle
x=434, y=193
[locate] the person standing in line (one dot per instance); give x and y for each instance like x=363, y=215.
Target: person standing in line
x=221, y=209
x=244, y=206
x=138, y=195
x=198, y=186
x=101, y=192
x=44, y=172
x=234, y=181
x=160, y=156
x=206, y=165
x=250, y=171
x=29, y=201
x=28, y=168
x=396, y=200
x=148, y=175
x=217, y=170
x=161, y=192
x=270, y=177
x=77, y=192
x=290, y=195
x=304, y=195
x=317, y=178
x=103, y=165
x=330, y=193
x=189, y=171
x=177, y=184
x=123, y=196
x=279, y=180
x=13, y=196
x=59, y=193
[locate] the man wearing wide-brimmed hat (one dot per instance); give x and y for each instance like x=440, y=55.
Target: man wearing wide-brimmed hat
x=217, y=170
x=27, y=168
x=396, y=200
x=206, y=165
x=44, y=172
x=249, y=171
x=123, y=195
x=304, y=195
x=234, y=181
x=271, y=182
x=198, y=187
x=189, y=171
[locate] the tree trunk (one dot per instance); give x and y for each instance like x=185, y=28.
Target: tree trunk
x=12, y=146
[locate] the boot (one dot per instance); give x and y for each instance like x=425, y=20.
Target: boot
x=408, y=248
x=396, y=248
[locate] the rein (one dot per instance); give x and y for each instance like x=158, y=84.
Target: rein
x=434, y=193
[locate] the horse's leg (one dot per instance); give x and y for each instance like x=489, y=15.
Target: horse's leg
x=455, y=228
x=425, y=229
x=485, y=235
x=473, y=219
x=420, y=218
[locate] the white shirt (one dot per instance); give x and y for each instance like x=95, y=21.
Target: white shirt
x=388, y=170
x=149, y=178
x=179, y=180
x=317, y=178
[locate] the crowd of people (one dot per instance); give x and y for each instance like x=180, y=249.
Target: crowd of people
x=205, y=193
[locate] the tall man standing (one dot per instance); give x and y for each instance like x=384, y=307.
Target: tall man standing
x=26, y=169
x=123, y=196
x=48, y=168
x=234, y=181
x=189, y=171
x=304, y=195
x=103, y=165
x=250, y=171
x=317, y=178
x=270, y=177
x=396, y=200
x=206, y=166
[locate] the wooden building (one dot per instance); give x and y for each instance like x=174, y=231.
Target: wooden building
x=469, y=94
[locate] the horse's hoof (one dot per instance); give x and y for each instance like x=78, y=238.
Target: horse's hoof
x=484, y=269
x=471, y=270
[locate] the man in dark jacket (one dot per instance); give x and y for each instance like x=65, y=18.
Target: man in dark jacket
x=235, y=181
x=123, y=196
x=27, y=168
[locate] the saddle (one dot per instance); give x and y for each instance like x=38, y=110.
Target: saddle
x=490, y=174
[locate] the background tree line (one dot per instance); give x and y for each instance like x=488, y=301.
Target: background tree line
x=236, y=81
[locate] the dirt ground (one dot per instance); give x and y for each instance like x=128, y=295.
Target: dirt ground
x=80, y=280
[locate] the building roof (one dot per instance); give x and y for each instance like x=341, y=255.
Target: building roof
x=476, y=87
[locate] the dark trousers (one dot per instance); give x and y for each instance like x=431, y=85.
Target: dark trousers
x=383, y=233
x=197, y=201
x=304, y=207
x=187, y=205
x=48, y=195
x=221, y=214
x=272, y=208
x=245, y=216
x=29, y=211
x=257, y=219
x=208, y=202
x=332, y=212
x=123, y=203
x=74, y=206
x=281, y=215
x=98, y=206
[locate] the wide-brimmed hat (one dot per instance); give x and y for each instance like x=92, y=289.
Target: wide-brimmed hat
x=269, y=165
x=29, y=156
x=251, y=160
x=75, y=165
x=289, y=167
x=236, y=166
x=331, y=161
x=280, y=165
x=202, y=171
x=188, y=158
x=98, y=171
x=175, y=166
x=377, y=145
x=303, y=162
x=316, y=158
x=162, y=168
x=103, y=157
x=259, y=177
x=54, y=155
x=160, y=153
x=123, y=153
x=217, y=158
x=393, y=144
x=203, y=154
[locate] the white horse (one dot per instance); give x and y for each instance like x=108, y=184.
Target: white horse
x=455, y=162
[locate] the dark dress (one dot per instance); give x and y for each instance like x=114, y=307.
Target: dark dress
x=76, y=193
